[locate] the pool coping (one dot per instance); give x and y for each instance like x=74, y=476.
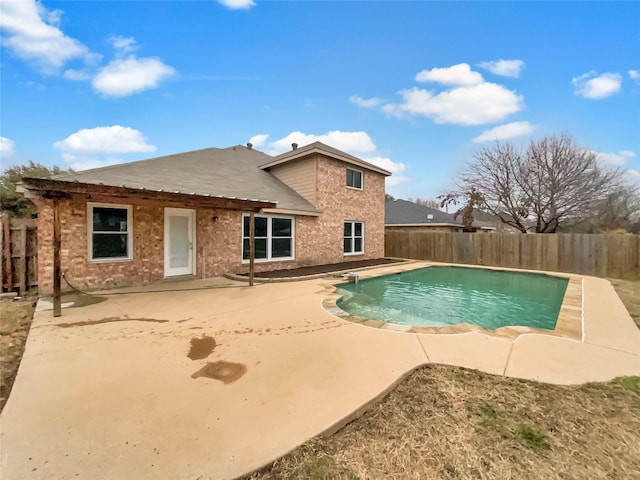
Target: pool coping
x=570, y=323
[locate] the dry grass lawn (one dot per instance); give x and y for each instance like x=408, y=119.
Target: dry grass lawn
x=15, y=321
x=452, y=423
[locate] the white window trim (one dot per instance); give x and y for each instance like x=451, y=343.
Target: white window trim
x=361, y=179
x=269, y=238
x=353, y=222
x=129, y=232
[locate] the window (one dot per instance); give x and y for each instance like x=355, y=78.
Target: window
x=354, y=178
x=109, y=232
x=353, y=238
x=273, y=237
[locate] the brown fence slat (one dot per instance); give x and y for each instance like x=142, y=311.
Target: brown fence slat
x=616, y=256
x=19, y=254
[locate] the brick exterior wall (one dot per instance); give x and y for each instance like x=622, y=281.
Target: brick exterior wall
x=321, y=239
x=218, y=234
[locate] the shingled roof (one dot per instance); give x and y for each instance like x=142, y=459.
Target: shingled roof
x=403, y=212
x=232, y=172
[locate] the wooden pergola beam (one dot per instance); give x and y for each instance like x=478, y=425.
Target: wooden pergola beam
x=57, y=272
x=57, y=188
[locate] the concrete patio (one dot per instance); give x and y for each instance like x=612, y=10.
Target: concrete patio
x=106, y=390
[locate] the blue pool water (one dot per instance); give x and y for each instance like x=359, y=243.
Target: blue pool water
x=443, y=296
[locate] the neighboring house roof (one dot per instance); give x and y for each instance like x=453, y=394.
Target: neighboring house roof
x=403, y=212
x=319, y=147
x=232, y=172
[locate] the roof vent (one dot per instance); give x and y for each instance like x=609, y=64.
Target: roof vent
x=294, y=146
x=249, y=145
x=429, y=216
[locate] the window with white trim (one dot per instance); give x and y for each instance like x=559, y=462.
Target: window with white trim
x=354, y=178
x=273, y=237
x=353, y=238
x=110, y=232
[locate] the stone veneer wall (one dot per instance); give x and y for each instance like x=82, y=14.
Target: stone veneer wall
x=218, y=242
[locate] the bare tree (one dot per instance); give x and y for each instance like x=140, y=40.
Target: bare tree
x=618, y=212
x=551, y=181
x=472, y=200
x=425, y=202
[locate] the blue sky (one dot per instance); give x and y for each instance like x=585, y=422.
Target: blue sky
x=415, y=87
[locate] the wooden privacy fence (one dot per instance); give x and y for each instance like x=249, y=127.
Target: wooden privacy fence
x=19, y=254
x=616, y=256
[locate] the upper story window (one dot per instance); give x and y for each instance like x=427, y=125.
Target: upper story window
x=110, y=229
x=273, y=238
x=354, y=178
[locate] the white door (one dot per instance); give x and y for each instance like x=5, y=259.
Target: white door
x=179, y=241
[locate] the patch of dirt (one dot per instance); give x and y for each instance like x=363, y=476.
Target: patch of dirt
x=316, y=269
x=84, y=323
x=15, y=322
x=227, y=372
x=446, y=422
x=201, y=347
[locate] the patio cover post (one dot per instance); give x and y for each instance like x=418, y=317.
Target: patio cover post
x=57, y=310
x=252, y=246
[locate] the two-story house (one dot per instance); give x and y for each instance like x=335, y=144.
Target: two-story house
x=189, y=214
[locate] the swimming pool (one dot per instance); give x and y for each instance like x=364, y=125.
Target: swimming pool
x=440, y=296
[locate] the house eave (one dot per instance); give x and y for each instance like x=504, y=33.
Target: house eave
x=49, y=188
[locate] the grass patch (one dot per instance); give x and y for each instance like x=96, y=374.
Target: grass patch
x=532, y=438
x=446, y=422
x=629, y=383
x=489, y=414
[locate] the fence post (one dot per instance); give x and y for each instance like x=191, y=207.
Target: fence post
x=23, y=259
x=6, y=249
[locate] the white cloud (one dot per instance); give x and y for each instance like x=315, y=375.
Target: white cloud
x=7, y=147
x=84, y=162
x=358, y=144
x=366, y=102
x=594, y=86
x=125, y=76
x=397, y=169
x=469, y=105
x=460, y=74
x=238, y=4
x=505, y=68
x=502, y=132
x=614, y=159
x=76, y=75
x=123, y=45
x=634, y=75
x=633, y=176
x=32, y=33
x=104, y=140
x=259, y=140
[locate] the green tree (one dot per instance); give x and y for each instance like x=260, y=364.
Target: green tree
x=14, y=202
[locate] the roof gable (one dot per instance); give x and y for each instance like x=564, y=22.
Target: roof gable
x=321, y=148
